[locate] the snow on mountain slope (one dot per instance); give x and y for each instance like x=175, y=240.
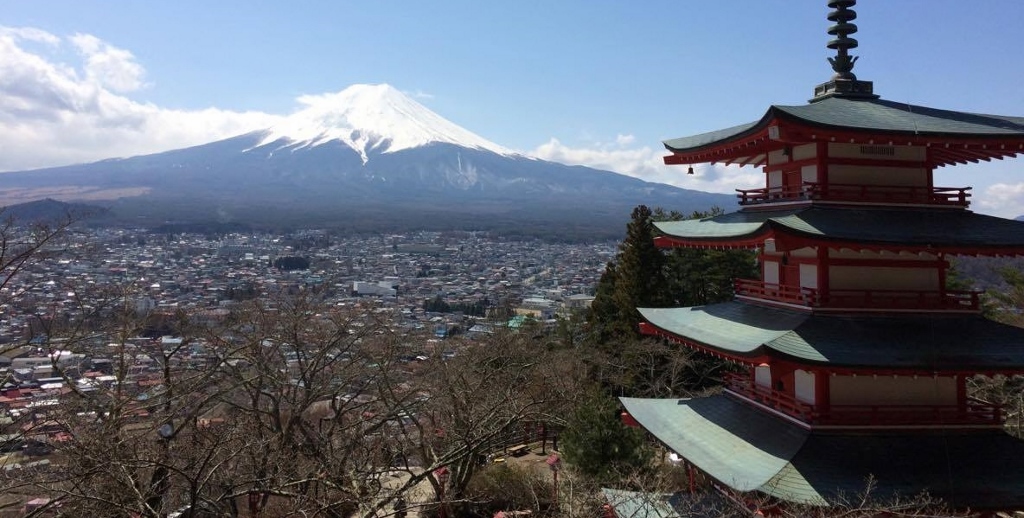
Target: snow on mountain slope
x=369, y=118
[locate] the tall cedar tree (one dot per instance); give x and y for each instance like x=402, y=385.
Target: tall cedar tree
x=644, y=276
x=1004, y=305
x=599, y=445
x=636, y=279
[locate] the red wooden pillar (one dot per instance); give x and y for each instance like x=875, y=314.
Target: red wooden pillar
x=822, y=394
x=961, y=390
x=823, y=272
x=690, y=478
x=943, y=265
x=822, y=160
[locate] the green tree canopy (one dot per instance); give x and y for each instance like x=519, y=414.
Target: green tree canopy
x=599, y=445
x=635, y=279
x=291, y=262
x=644, y=276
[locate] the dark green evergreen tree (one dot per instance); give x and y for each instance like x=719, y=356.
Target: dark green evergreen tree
x=699, y=276
x=644, y=276
x=291, y=263
x=599, y=445
x=641, y=275
x=636, y=279
x=603, y=310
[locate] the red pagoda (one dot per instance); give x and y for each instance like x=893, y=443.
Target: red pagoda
x=857, y=354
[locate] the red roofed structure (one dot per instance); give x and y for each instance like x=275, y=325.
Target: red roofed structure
x=857, y=353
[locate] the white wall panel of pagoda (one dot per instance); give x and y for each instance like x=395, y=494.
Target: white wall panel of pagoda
x=849, y=176
x=804, y=387
x=883, y=278
x=892, y=390
x=903, y=153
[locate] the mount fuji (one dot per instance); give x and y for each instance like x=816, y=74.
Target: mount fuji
x=366, y=158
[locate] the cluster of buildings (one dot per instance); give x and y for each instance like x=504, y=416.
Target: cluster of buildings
x=154, y=275
x=205, y=276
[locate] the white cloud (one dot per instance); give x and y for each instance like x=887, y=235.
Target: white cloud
x=55, y=113
x=418, y=94
x=30, y=34
x=109, y=66
x=647, y=164
x=1002, y=199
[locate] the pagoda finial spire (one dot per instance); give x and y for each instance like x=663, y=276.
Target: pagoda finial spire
x=843, y=83
x=842, y=15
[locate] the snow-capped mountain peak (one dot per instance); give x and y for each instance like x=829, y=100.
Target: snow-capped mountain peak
x=367, y=118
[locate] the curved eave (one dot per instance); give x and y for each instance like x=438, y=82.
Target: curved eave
x=744, y=229
x=734, y=331
x=747, y=449
x=788, y=241
x=746, y=144
x=792, y=240
x=744, y=242
x=876, y=229
x=910, y=344
x=754, y=357
x=943, y=149
x=951, y=137
x=737, y=446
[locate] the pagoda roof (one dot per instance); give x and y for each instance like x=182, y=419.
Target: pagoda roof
x=641, y=505
x=637, y=504
x=843, y=119
x=751, y=450
x=913, y=342
x=953, y=231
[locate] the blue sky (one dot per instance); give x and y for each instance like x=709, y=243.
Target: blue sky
x=597, y=82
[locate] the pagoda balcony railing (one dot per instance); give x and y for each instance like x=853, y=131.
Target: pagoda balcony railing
x=744, y=386
x=861, y=299
x=973, y=412
x=902, y=299
x=776, y=292
x=771, y=194
x=900, y=194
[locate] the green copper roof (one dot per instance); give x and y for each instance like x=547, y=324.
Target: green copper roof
x=712, y=137
x=636, y=504
x=912, y=227
x=633, y=504
x=750, y=450
x=874, y=115
x=931, y=342
x=888, y=116
x=735, y=446
x=734, y=327
x=731, y=225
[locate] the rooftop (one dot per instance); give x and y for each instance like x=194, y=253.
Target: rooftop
x=750, y=450
x=933, y=343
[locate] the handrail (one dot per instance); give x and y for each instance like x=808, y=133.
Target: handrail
x=949, y=300
x=770, y=194
x=746, y=387
x=776, y=292
x=972, y=412
x=929, y=300
x=948, y=196
x=955, y=196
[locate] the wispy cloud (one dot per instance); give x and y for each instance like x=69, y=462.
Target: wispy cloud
x=646, y=163
x=54, y=112
x=418, y=94
x=30, y=34
x=107, y=65
x=1002, y=199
